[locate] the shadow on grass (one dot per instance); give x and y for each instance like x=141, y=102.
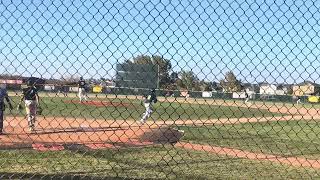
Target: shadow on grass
x=74, y=130
x=80, y=129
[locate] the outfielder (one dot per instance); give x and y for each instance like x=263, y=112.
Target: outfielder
x=82, y=89
x=299, y=100
x=149, y=100
x=3, y=95
x=31, y=99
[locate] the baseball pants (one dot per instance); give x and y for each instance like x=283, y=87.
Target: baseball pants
x=147, y=113
x=1, y=115
x=31, y=110
x=1, y=120
x=82, y=94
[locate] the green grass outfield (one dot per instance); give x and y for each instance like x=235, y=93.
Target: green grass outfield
x=285, y=138
x=58, y=107
x=163, y=162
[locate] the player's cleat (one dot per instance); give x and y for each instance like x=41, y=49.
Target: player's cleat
x=142, y=121
x=31, y=129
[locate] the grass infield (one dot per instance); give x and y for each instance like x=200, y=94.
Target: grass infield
x=284, y=138
x=132, y=109
x=162, y=162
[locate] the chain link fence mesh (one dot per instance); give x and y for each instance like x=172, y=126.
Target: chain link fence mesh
x=154, y=89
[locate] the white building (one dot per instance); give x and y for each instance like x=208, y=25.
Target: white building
x=268, y=89
x=272, y=89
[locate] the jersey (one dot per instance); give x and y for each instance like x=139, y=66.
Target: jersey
x=151, y=98
x=81, y=84
x=30, y=93
x=3, y=94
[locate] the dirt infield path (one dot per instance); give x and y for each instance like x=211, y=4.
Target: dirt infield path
x=69, y=130
x=80, y=130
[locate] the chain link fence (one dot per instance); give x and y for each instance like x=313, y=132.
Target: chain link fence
x=154, y=89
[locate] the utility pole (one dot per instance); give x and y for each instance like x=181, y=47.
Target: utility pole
x=158, y=83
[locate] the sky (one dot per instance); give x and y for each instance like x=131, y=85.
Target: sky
x=272, y=41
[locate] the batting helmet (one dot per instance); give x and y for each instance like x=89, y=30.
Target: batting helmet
x=30, y=82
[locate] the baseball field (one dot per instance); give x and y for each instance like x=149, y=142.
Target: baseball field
x=221, y=140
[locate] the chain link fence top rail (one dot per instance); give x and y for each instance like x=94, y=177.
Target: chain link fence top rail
x=130, y=89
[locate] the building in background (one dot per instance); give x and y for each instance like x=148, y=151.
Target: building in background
x=17, y=82
x=12, y=84
x=306, y=88
x=267, y=89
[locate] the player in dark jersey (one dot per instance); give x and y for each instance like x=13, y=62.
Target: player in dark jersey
x=82, y=89
x=3, y=95
x=149, y=100
x=31, y=99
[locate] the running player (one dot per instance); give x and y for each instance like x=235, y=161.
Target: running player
x=149, y=100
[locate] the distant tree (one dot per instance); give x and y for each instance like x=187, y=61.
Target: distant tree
x=164, y=69
x=142, y=59
x=205, y=86
x=163, y=64
x=70, y=78
x=230, y=83
x=127, y=61
x=188, y=80
x=53, y=81
x=94, y=81
x=10, y=76
x=290, y=90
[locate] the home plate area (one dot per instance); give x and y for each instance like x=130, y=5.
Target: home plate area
x=56, y=134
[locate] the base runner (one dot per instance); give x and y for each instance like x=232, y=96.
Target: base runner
x=149, y=100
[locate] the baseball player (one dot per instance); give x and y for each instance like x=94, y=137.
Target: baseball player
x=187, y=95
x=149, y=100
x=31, y=99
x=82, y=89
x=3, y=95
x=246, y=97
x=299, y=100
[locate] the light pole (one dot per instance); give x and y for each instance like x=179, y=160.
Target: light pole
x=158, y=83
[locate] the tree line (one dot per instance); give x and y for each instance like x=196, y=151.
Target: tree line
x=168, y=78
x=185, y=79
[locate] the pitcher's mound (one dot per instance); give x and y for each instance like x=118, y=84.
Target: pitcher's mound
x=162, y=135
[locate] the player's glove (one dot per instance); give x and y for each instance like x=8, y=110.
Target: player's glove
x=19, y=107
x=10, y=106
